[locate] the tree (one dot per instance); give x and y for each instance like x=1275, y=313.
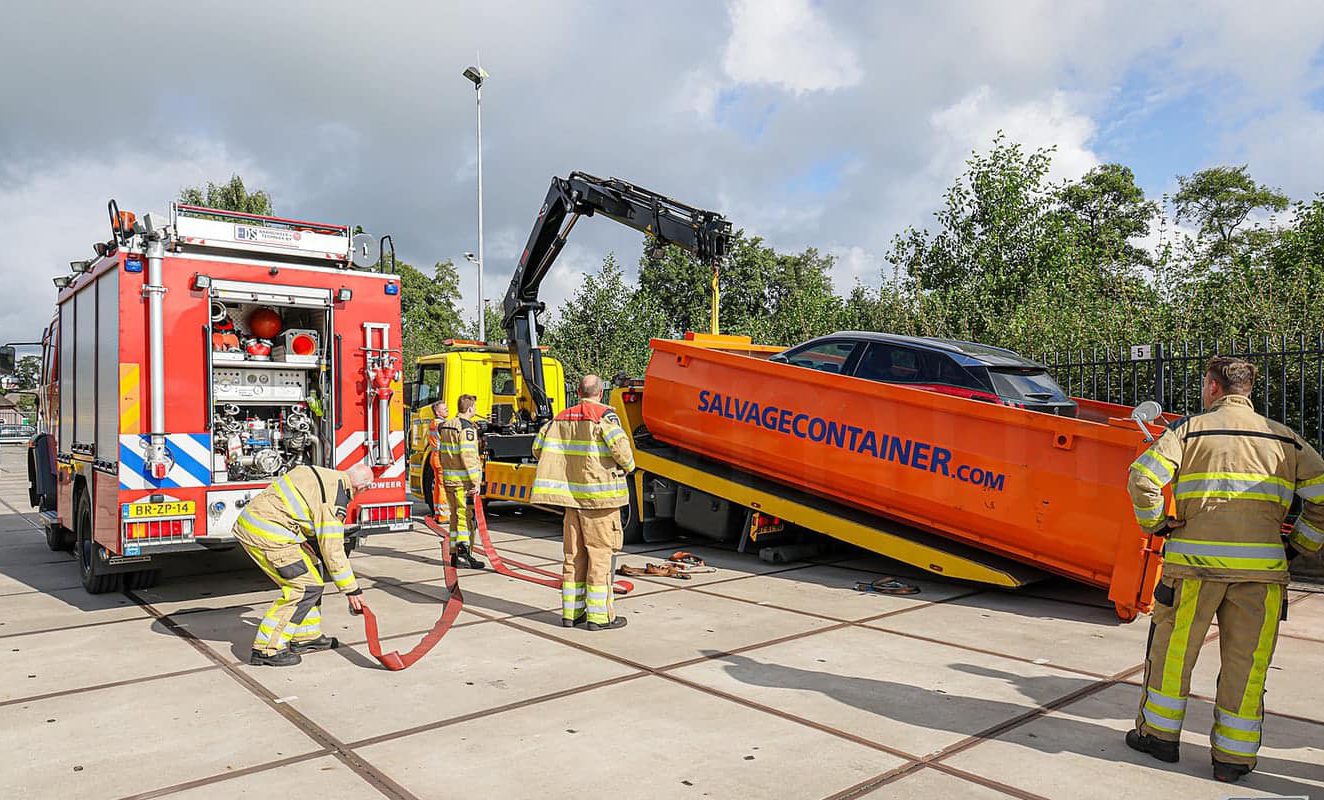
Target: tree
x=768, y=295
x=27, y=373
x=604, y=328
x=1219, y=199
x=229, y=196
x=428, y=308
x=1108, y=210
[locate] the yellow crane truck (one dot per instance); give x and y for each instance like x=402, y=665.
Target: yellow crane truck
x=490, y=374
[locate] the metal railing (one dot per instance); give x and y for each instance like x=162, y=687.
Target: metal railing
x=1290, y=387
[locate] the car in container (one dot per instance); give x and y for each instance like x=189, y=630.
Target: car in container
x=947, y=366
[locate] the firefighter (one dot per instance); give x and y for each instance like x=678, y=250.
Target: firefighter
x=583, y=458
x=462, y=473
x=440, y=411
x=1234, y=475
x=284, y=529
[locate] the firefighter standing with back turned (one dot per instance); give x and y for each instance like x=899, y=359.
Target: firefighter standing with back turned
x=583, y=457
x=284, y=528
x=461, y=473
x=1234, y=474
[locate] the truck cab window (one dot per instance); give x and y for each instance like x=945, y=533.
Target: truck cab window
x=429, y=385
x=503, y=381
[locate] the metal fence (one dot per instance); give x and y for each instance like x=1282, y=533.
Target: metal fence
x=1290, y=388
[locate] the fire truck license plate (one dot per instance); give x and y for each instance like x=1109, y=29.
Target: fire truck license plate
x=174, y=508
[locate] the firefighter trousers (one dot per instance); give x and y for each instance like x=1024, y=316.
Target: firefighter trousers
x=590, y=536
x=1248, y=615
x=460, y=501
x=297, y=613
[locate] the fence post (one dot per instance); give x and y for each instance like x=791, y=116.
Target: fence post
x=1160, y=375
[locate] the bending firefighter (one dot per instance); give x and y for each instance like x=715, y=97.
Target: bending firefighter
x=1234, y=476
x=456, y=444
x=583, y=457
x=284, y=529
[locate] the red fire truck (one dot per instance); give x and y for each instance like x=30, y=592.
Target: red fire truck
x=196, y=358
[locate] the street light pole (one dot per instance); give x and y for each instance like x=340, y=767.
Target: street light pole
x=477, y=75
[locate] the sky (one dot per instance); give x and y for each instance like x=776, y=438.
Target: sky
x=823, y=123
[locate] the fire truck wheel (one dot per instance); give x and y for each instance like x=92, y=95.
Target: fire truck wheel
x=89, y=551
x=58, y=538
x=144, y=579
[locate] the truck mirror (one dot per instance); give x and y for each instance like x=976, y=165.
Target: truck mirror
x=409, y=393
x=7, y=360
x=1145, y=413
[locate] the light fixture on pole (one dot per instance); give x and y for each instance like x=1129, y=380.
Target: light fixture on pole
x=482, y=312
x=478, y=75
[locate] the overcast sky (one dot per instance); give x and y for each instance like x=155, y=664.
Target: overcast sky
x=831, y=124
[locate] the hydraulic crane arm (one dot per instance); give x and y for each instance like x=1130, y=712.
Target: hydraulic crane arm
x=706, y=234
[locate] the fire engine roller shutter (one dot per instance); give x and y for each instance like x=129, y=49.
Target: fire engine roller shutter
x=66, y=375
x=246, y=292
x=85, y=365
x=108, y=341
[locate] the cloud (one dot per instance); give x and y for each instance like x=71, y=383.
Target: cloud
x=55, y=213
x=789, y=45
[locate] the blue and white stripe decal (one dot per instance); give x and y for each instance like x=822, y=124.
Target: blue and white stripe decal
x=190, y=457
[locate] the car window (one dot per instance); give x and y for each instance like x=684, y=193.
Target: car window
x=1025, y=384
x=826, y=357
x=895, y=364
x=503, y=381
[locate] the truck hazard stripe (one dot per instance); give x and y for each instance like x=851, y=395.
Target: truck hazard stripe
x=190, y=452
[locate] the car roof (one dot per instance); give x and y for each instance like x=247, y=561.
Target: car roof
x=968, y=353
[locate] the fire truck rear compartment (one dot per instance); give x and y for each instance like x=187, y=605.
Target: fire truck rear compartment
x=270, y=387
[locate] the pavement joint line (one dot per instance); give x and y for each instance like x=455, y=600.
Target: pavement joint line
x=99, y=686
x=356, y=763
x=73, y=627
x=1298, y=637
x=995, y=785
x=222, y=777
x=21, y=515
x=494, y=710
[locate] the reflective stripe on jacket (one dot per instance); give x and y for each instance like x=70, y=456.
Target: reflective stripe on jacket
x=305, y=504
x=456, y=445
x=1234, y=475
x=583, y=457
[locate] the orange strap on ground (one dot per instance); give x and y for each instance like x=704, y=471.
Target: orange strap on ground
x=395, y=660
x=514, y=569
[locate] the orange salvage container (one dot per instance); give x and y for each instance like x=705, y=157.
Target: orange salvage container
x=1040, y=489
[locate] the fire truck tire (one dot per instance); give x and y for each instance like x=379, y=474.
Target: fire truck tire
x=59, y=539
x=143, y=579
x=89, y=552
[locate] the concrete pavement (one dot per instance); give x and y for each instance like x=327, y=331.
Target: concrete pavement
x=755, y=681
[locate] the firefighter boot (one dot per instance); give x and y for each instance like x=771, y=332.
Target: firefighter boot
x=322, y=642
x=567, y=622
x=617, y=622
x=1230, y=773
x=463, y=558
x=1158, y=748
x=280, y=658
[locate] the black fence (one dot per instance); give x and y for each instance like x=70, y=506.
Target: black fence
x=1290, y=388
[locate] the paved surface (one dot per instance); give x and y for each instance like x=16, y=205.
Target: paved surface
x=756, y=681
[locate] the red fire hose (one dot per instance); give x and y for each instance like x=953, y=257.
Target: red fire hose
x=395, y=660
x=513, y=569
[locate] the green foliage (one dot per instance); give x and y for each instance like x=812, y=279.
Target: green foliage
x=229, y=196
x=428, y=307
x=1219, y=199
x=605, y=327
x=27, y=373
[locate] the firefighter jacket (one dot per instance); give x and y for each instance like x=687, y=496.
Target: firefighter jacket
x=1234, y=475
x=583, y=456
x=306, y=504
x=456, y=445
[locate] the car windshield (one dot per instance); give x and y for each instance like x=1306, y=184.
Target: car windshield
x=1028, y=384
